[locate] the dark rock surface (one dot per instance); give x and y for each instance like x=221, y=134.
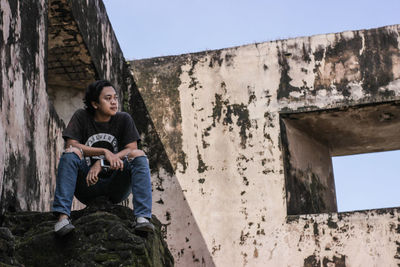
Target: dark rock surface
x=103, y=236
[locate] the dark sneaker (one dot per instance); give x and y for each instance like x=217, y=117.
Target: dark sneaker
x=63, y=227
x=143, y=225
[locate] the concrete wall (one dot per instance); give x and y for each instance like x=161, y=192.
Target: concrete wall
x=310, y=187
x=30, y=140
x=69, y=64
x=217, y=113
x=101, y=43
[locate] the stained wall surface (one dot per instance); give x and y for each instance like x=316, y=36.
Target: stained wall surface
x=310, y=187
x=30, y=130
x=218, y=116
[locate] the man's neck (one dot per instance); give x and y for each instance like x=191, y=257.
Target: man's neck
x=101, y=117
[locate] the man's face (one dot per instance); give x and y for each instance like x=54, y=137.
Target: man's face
x=108, y=102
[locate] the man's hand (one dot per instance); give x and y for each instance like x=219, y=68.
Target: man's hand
x=94, y=171
x=115, y=162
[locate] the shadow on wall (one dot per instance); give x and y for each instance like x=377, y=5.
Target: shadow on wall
x=185, y=239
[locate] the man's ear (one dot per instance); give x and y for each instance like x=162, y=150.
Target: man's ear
x=94, y=104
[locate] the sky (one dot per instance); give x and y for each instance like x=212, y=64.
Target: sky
x=155, y=28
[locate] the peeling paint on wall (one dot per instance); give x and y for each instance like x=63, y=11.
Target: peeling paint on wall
x=227, y=105
x=165, y=99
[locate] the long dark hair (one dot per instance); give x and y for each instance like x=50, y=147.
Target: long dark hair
x=93, y=92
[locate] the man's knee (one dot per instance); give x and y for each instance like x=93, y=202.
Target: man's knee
x=75, y=150
x=134, y=153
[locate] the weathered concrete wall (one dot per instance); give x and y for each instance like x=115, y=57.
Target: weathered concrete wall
x=356, y=129
x=165, y=182
x=30, y=131
x=310, y=187
x=98, y=35
x=70, y=67
x=217, y=114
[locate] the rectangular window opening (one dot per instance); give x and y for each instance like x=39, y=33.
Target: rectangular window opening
x=316, y=142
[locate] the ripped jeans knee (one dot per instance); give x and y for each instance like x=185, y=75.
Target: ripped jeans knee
x=134, y=154
x=77, y=151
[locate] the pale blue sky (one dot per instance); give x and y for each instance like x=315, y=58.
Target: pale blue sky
x=160, y=28
x=367, y=181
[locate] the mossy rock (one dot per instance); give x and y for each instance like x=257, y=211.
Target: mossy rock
x=103, y=236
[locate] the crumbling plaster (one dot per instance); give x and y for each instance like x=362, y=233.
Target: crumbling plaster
x=218, y=116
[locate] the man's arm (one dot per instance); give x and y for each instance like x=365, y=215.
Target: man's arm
x=87, y=150
x=115, y=161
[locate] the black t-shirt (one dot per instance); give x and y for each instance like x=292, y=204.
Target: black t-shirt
x=113, y=135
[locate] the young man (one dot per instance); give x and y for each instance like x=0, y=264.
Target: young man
x=102, y=159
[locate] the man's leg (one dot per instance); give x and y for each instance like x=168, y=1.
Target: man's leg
x=134, y=178
x=68, y=168
x=67, y=174
x=141, y=189
x=141, y=186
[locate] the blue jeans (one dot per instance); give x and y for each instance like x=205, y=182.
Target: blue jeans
x=71, y=180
